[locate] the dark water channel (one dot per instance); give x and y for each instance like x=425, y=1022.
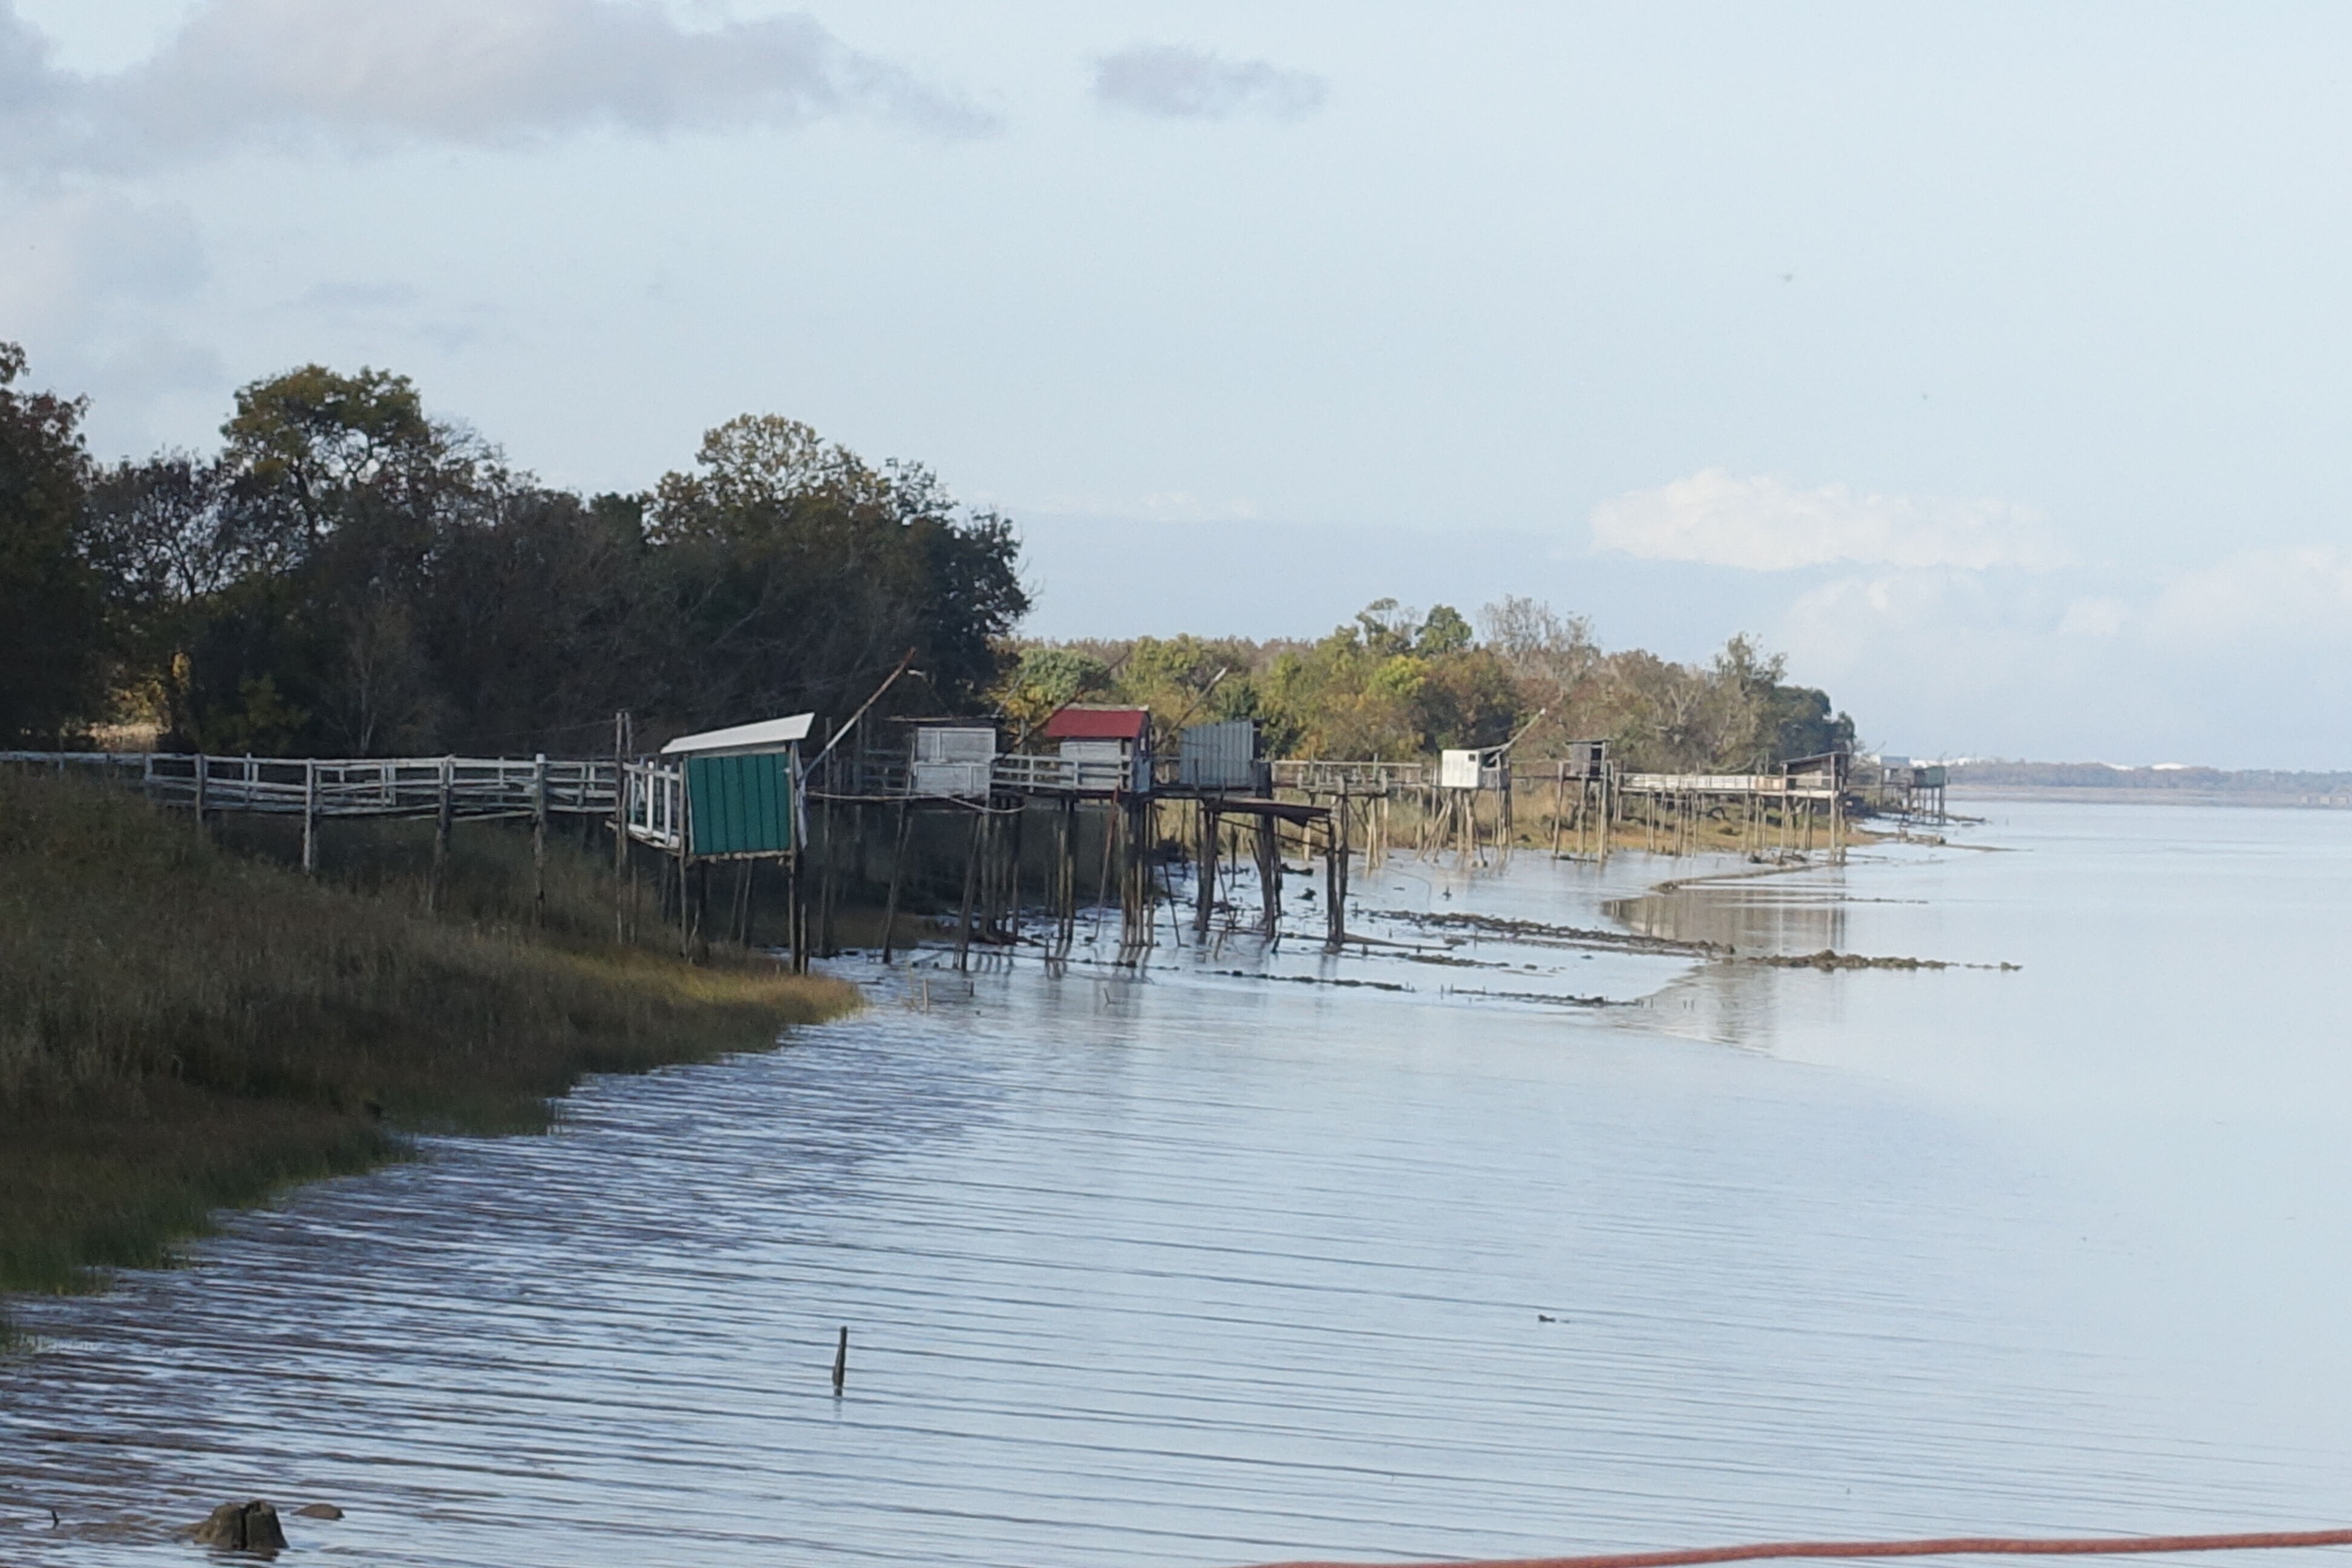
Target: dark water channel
x=1198, y=1267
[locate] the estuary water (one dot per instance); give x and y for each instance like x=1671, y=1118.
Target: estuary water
x=1487, y=1241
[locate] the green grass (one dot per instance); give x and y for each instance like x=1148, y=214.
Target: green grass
x=187, y=1026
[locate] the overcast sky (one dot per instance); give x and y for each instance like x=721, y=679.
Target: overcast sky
x=1994, y=362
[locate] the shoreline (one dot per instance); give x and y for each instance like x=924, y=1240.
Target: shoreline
x=2125, y=795
x=277, y=1030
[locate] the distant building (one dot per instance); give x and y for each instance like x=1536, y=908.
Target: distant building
x=951, y=759
x=1099, y=737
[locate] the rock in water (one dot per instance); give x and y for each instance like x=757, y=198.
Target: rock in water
x=318, y=1511
x=242, y=1527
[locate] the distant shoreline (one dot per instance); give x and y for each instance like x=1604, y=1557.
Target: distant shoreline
x=2143, y=795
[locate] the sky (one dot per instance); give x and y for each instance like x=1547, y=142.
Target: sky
x=1993, y=363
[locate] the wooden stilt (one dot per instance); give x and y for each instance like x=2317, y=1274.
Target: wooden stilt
x=897, y=874
x=310, y=819
x=442, y=817
x=1269, y=876
x=971, y=889
x=538, y=839
x=623, y=904
x=1204, y=879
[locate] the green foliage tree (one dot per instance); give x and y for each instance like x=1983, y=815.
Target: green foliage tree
x=1046, y=680
x=798, y=574
x=55, y=638
x=351, y=574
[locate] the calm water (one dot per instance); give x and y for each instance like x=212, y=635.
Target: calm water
x=1207, y=1267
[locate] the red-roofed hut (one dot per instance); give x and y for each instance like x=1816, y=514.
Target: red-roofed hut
x=1096, y=736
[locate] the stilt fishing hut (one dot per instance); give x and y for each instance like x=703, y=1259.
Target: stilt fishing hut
x=1101, y=739
x=1222, y=766
x=730, y=795
x=1462, y=777
x=1582, y=769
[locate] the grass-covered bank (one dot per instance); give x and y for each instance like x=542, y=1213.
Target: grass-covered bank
x=187, y=1024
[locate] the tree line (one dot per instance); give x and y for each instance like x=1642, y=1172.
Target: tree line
x=1395, y=684
x=348, y=575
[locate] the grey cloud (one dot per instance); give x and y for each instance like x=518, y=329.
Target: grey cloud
x=91, y=283
x=1179, y=83
x=378, y=73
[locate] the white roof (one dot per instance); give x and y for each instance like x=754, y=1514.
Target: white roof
x=743, y=740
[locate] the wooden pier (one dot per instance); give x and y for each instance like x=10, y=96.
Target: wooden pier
x=1019, y=830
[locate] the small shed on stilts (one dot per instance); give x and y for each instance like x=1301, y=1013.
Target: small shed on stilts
x=733, y=795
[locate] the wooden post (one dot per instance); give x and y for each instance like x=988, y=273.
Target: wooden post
x=204, y=777
x=1335, y=874
x=539, y=840
x=897, y=872
x=447, y=807
x=1558, y=805
x=1204, y=867
x=621, y=870
x=1269, y=875
x=310, y=817
x=1065, y=874
x=970, y=887
x=1013, y=841
x=796, y=912
x=828, y=877
x=1341, y=917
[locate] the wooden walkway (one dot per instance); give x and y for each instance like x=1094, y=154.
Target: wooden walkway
x=465, y=787
x=1330, y=808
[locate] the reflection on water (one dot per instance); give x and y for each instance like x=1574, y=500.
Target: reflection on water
x=1215, y=1264
x=1779, y=911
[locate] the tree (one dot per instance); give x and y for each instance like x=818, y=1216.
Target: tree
x=1046, y=680
x=54, y=636
x=1442, y=633
x=1798, y=722
x=796, y=574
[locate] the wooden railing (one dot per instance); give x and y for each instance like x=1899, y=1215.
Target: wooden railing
x=1355, y=778
x=1800, y=787
x=346, y=786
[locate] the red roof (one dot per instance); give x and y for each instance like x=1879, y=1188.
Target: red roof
x=1098, y=724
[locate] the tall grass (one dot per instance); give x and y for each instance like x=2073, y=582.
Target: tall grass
x=187, y=1025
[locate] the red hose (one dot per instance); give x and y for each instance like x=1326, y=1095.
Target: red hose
x=1943, y=1546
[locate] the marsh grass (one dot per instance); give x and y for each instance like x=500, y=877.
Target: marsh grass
x=188, y=1025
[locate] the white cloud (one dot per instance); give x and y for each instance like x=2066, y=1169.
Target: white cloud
x=2071, y=664
x=1766, y=524
x=2097, y=615
x=2300, y=593
x=1179, y=83
x=375, y=73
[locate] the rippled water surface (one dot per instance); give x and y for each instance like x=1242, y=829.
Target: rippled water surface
x=1203, y=1267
